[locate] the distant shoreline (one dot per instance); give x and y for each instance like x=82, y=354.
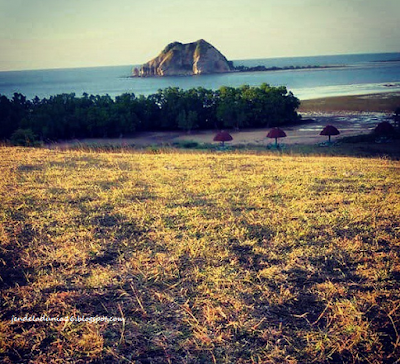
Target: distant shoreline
x=287, y=68
x=247, y=69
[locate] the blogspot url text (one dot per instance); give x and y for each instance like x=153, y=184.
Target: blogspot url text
x=43, y=318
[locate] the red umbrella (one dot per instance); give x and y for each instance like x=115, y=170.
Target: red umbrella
x=276, y=133
x=329, y=130
x=223, y=136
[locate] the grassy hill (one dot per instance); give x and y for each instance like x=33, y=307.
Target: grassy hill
x=229, y=257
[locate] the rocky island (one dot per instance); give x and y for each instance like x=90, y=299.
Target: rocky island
x=199, y=58
x=188, y=59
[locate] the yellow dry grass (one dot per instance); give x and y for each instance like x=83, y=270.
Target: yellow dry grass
x=224, y=257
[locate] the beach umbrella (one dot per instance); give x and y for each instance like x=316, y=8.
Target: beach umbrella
x=384, y=128
x=329, y=130
x=223, y=136
x=276, y=133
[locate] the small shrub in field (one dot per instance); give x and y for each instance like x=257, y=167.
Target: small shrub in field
x=189, y=144
x=24, y=138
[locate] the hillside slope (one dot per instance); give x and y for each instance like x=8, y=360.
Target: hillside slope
x=206, y=258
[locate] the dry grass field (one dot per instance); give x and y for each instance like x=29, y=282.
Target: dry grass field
x=205, y=257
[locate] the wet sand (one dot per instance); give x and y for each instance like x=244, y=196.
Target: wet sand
x=382, y=102
x=351, y=115
x=304, y=133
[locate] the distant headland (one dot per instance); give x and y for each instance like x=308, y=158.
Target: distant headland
x=198, y=58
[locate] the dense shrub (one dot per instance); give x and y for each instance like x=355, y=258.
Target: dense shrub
x=66, y=116
x=23, y=137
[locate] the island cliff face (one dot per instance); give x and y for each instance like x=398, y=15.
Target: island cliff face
x=179, y=59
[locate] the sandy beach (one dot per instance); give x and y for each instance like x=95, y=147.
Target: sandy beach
x=352, y=115
x=303, y=133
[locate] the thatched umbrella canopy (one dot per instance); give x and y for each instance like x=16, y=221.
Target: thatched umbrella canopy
x=329, y=130
x=276, y=133
x=223, y=136
x=384, y=128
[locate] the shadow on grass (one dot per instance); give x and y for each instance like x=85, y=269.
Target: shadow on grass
x=14, y=270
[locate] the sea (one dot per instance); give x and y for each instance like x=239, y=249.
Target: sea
x=355, y=74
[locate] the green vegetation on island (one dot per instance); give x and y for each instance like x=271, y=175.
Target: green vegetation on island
x=261, y=68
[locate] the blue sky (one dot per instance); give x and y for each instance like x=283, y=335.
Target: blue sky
x=37, y=34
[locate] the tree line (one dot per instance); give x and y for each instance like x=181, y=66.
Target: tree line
x=67, y=116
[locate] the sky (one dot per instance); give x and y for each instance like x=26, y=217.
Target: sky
x=42, y=34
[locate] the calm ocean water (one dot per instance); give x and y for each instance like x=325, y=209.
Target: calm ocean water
x=358, y=74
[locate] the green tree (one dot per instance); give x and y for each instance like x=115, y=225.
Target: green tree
x=232, y=109
x=7, y=126
x=23, y=137
x=187, y=121
x=66, y=116
x=124, y=114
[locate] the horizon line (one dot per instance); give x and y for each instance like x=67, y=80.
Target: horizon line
x=232, y=60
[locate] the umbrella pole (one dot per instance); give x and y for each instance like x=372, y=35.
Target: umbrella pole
x=329, y=138
x=276, y=142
